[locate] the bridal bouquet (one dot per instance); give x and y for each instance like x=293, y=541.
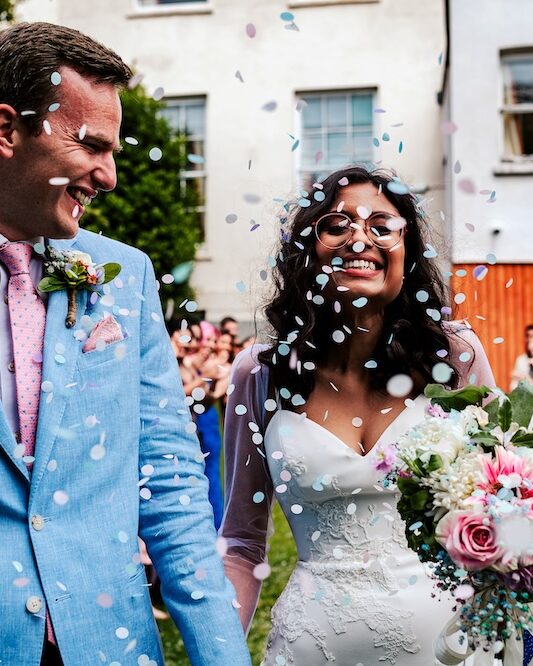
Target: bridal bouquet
x=465, y=478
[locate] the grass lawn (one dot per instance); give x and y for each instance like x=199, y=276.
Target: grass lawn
x=282, y=558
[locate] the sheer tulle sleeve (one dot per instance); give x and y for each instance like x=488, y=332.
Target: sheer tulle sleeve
x=468, y=355
x=249, y=493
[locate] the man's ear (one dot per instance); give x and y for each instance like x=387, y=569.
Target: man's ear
x=8, y=117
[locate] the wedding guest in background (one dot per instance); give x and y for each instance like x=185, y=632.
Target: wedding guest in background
x=523, y=367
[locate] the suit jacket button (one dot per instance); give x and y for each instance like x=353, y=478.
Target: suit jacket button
x=37, y=522
x=34, y=604
x=11, y=366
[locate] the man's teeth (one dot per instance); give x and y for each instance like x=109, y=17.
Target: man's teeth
x=82, y=198
x=360, y=264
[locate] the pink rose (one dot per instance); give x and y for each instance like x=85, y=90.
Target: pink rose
x=469, y=539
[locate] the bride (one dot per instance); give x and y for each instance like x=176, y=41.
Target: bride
x=358, y=333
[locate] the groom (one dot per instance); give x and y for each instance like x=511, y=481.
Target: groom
x=96, y=444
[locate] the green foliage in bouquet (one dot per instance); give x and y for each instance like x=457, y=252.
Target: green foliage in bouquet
x=149, y=209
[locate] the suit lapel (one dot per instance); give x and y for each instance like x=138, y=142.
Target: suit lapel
x=60, y=354
x=8, y=443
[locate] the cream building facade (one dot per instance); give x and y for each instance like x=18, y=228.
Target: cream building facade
x=276, y=93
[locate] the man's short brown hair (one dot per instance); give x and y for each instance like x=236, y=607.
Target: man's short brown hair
x=31, y=52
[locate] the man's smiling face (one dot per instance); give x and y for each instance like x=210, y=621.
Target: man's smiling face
x=51, y=178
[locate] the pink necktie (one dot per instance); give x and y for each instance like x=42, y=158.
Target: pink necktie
x=28, y=315
x=28, y=318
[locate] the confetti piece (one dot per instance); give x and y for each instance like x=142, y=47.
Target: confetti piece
x=457, y=167
x=360, y=302
x=158, y=94
x=47, y=127
x=466, y=185
x=430, y=253
x=155, y=154
x=397, y=187
x=258, y=497
x=261, y=571
x=60, y=497
x=371, y=364
x=399, y=386
x=441, y=372
x=375, y=142
x=231, y=218
x=448, y=127
x=286, y=16
x=509, y=283
x=459, y=298
x=241, y=287
x=385, y=136
x=400, y=147
x=58, y=181
x=122, y=633
x=270, y=106
x=238, y=76
x=422, y=296
x=54, y=107
x=480, y=272
x=250, y=30
x=196, y=159
x=55, y=78
x=498, y=341
x=491, y=259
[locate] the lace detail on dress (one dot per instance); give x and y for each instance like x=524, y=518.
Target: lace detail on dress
x=350, y=575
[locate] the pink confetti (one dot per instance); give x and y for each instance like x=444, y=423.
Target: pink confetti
x=448, y=127
x=466, y=185
x=250, y=30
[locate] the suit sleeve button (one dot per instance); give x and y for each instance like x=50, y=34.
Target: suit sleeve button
x=34, y=604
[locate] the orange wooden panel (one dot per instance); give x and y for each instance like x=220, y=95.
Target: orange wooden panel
x=499, y=305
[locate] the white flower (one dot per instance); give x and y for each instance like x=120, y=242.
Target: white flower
x=444, y=437
x=454, y=485
x=474, y=417
x=74, y=256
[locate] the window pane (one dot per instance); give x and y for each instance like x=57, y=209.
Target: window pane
x=311, y=114
x=172, y=114
x=311, y=145
x=336, y=111
x=339, y=149
x=194, y=119
x=518, y=134
x=362, y=147
x=361, y=110
x=518, y=80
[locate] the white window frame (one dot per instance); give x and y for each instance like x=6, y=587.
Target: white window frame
x=512, y=163
x=140, y=10
x=368, y=91
x=192, y=174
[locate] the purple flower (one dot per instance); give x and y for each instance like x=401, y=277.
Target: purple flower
x=437, y=411
x=385, y=458
x=520, y=580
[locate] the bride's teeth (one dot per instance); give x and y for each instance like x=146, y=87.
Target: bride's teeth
x=360, y=264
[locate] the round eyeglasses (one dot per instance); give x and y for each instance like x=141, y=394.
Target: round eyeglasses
x=384, y=230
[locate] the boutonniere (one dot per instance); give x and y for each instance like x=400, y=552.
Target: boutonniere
x=73, y=270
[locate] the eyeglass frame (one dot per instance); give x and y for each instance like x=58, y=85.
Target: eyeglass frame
x=354, y=220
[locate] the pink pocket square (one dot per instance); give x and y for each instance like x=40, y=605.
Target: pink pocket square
x=107, y=330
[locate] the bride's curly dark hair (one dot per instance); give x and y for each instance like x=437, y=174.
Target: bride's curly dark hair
x=410, y=337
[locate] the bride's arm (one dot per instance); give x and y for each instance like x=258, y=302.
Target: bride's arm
x=248, y=486
x=476, y=368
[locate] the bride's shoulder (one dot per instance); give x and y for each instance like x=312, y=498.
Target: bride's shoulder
x=247, y=362
x=461, y=336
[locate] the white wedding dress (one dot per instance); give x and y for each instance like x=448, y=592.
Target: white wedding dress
x=358, y=596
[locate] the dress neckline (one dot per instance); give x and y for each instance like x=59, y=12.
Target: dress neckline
x=304, y=418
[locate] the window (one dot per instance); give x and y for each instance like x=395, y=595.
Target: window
x=187, y=116
x=336, y=129
x=517, y=108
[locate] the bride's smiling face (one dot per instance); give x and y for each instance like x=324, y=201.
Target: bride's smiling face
x=366, y=270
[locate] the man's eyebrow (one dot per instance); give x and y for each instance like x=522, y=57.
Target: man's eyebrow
x=104, y=142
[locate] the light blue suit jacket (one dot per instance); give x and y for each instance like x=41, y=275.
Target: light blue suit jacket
x=79, y=555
